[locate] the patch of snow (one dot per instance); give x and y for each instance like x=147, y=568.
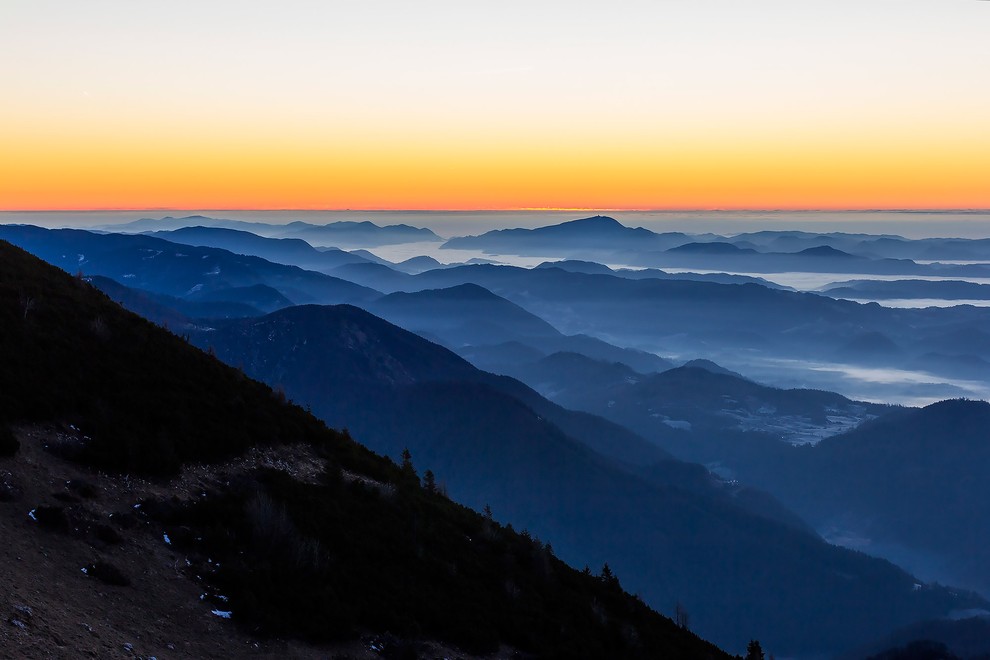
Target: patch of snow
x=678, y=424
x=215, y=271
x=32, y=516
x=84, y=570
x=128, y=276
x=221, y=613
x=194, y=289
x=168, y=541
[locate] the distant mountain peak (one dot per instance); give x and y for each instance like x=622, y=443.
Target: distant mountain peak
x=712, y=367
x=597, y=220
x=467, y=291
x=714, y=247
x=825, y=251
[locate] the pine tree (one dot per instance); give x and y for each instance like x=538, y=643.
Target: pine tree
x=408, y=471
x=607, y=577
x=754, y=651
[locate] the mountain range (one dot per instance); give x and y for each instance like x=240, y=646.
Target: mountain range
x=488, y=447
x=261, y=523
x=335, y=234
x=161, y=266
x=588, y=454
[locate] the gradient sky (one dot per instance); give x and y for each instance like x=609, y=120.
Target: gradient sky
x=466, y=104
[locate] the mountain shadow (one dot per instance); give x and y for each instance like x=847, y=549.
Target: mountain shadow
x=740, y=574
x=258, y=513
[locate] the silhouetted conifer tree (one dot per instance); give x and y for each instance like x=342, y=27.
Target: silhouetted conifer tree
x=607, y=577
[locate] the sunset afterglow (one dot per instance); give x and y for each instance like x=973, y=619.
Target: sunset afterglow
x=388, y=106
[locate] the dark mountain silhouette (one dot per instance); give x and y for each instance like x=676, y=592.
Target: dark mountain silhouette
x=880, y=290
x=715, y=247
x=577, y=266
x=470, y=315
x=566, y=377
x=376, y=276
x=360, y=234
x=297, y=532
x=291, y=251
x=795, y=241
x=823, y=258
x=708, y=365
x=604, y=239
x=460, y=315
x=929, y=248
x=259, y=296
x=365, y=254
x=592, y=268
x=595, y=233
x=498, y=358
x=402, y=358
x=719, y=278
x=695, y=412
x=967, y=638
x=196, y=274
x=911, y=482
x=596, y=349
x=868, y=245
x=826, y=251
x=169, y=311
x=817, y=259
x=707, y=319
x=356, y=234
x=505, y=358
x=488, y=445
x=418, y=265
x=159, y=266
x=74, y=356
x=566, y=239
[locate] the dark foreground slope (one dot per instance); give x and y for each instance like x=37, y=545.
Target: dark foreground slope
x=289, y=529
x=739, y=574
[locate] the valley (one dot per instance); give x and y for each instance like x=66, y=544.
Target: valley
x=676, y=426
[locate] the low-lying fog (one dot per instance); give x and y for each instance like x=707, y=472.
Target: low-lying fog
x=873, y=384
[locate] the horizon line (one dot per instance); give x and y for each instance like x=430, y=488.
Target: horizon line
x=939, y=209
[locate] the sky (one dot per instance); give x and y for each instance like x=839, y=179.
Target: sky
x=466, y=104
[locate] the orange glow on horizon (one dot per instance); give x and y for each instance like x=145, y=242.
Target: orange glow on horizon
x=158, y=162
x=301, y=105
x=826, y=179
